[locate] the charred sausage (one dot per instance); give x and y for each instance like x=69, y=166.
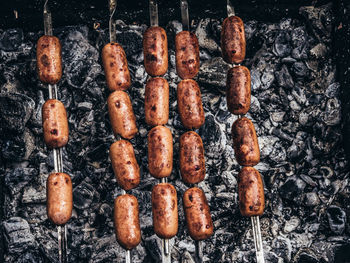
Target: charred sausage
x=122, y=116
x=55, y=124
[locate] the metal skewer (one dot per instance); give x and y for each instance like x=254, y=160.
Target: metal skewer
x=184, y=15
x=259, y=252
x=230, y=9
x=165, y=242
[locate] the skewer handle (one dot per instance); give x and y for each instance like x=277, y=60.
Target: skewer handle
x=184, y=15
x=257, y=239
x=230, y=9
x=153, y=13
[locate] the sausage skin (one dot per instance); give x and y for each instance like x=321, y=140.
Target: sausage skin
x=157, y=101
x=126, y=221
x=197, y=212
x=238, y=90
x=245, y=142
x=160, y=152
x=59, y=196
x=233, y=43
x=250, y=192
x=124, y=164
x=190, y=104
x=164, y=210
x=55, y=124
x=192, y=162
x=49, y=59
x=155, y=51
x=121, y=114
x=116, y=67
x=187, y=54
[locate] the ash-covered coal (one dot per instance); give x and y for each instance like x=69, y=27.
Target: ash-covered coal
x=296, y=109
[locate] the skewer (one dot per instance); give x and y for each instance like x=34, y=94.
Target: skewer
x=57, y=153
x=257, y=239
x=165, y=242
x=199, y=252
x=184, y=15
x=153, y=12
x=230, y=9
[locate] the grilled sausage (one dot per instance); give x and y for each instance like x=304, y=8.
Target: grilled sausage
x=49, y=60
x=157, y=101
x=187, y=55
x=245, y=142
x=116, y=67
x=124, y=164
x=122, y=116
x=155, y=51
x=233, y=42
x=238, y=90
x=160, y=152
x=55, y=124
x=164, y=210
x=192, y=162
x=250, y=192
x=198, y=219
x=126, y=221
x=190, y=104
x=59, y=198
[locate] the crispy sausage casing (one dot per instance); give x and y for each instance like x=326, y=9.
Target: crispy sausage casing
x=192, y=162
x=126, y=221
x=187, y=54
x=233, y=42
x=238, y=90
x=55, y=124
x=189, y=103
x=160, y=152
x=157, y=101
x=49, y=60
x=116, y=67
x=59, y=198
x=164, y=210
x=197, y=212
x=122, y=116
x=250, y=192
x=245, y=142
x=124, y=164
x=155, y=51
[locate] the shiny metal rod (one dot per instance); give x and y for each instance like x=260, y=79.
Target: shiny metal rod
x=184, y=15
x=199, y=252
x=47, y=20
x=62, y=241
x=153, y=13
x=230, y=9
x=259, y=251
x=128, y=256
x=112, y=25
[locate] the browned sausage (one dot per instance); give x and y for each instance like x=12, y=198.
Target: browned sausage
x=49, y=60
x=233, y=42
x=245, y=142
x=122, y=116
x=126, y=221
x=155, y=51
x=116, y=67
x=55, y=124
x=250, y=192
x=124, y=164
x=238, y=90
x=192, y=162
x=59, y=198
x=164, y=210
x=187, y=55
x=197, y=212
x=157, y=101
x=190, y=104
x=160, y=152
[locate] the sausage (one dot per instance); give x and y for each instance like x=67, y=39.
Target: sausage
x=164, y=210
x=124, y=164
x=187, y=54
x=238, y=90
x=155, y=51
x=198, y=219
x=160, y=152
x=233, y=43
x=245, y=142
x=55, y=124
x=49, y=59
x=157, y=101
x=122, y=116
x=192, y=162
x=126, y=221
x=250, y=192
x=59, y=196
x=116, y=67
x=190, y=104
